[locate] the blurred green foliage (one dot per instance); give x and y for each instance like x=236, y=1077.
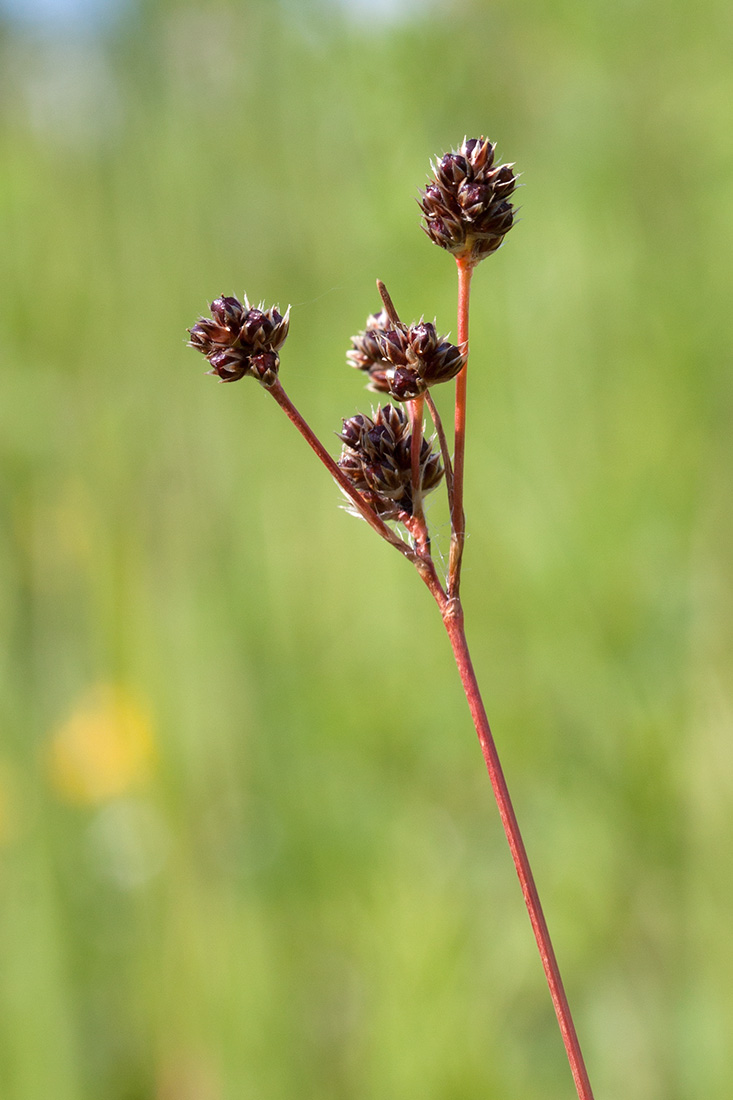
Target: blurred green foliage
x=247, y=845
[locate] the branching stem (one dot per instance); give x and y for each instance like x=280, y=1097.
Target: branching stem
x=211, y=335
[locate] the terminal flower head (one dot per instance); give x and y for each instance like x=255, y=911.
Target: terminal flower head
x=466, y=204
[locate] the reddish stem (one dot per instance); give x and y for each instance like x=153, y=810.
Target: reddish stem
x=453, y=619
x=416, y=408
x=416, y=415
x=458, y=521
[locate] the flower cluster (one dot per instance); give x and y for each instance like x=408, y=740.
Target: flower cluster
x=467, y=211
x=403, y=360
x=376, y=458
x=465, y=205
x=239, y=339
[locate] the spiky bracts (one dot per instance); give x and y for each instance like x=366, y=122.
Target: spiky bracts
x=376, y=458
x=239, y=339
x=465, y=205
x=366, y=352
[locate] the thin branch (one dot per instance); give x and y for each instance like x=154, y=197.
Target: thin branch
x=445, y=452
x=337, y=473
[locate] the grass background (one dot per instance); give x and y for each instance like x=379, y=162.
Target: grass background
x=247, y=845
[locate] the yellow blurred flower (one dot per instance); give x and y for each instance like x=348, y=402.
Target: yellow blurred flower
x=104, y=749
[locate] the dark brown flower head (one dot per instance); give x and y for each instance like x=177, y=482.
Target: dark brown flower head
x=377, y=459
x=403, y=360
x=465, y=205
x=239, y=339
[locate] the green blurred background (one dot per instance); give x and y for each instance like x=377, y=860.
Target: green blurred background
x=248, y=848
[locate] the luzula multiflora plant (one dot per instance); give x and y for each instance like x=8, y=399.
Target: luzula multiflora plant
x=387, y=467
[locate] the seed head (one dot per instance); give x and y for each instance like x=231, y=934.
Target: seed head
x=403, y=360
x=376, y=457
x=465, y=205
x=239, y=339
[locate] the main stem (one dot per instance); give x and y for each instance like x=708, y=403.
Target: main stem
x=453, y=619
